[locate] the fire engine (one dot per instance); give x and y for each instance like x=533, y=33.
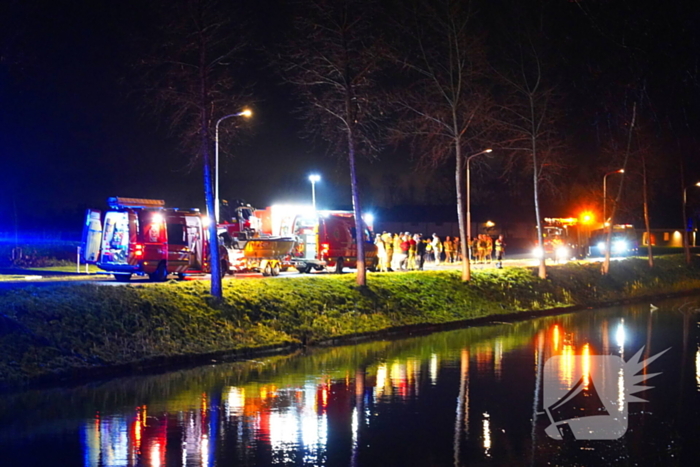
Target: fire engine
x=561, y=239
x=141, y=236
x=324, y=239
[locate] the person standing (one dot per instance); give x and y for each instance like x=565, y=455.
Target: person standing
x=437, y=249
x=405, y=246
x=481, y=248
x=381, y=253
x=447, y=246
x=389, y=248
x=396, y=262
x=420, y=251
x=412, y=248
x=500, y=251
x=489, y=248
x=457, y=253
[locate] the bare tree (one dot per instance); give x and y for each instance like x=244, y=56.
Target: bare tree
x=527, y=116
x=190, y=79
x=605, y=268
x=444, y=103
x=333, y=61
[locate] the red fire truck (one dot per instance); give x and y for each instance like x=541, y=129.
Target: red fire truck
x=561, y=239
x=324, y=239
x=250, y=249
x=141, y=236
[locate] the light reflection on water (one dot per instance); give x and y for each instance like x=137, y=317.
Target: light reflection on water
x=449, y=398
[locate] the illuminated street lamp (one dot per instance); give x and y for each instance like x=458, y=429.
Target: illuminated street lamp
x=313, y=178
x=244, y=113
x=605, y=193
x=469, y=209
x=686, y=246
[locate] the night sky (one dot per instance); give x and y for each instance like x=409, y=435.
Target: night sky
x=74, y=129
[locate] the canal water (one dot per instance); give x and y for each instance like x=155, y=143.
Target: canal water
x=557, y=390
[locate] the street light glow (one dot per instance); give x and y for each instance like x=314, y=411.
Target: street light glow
x=245, y=113
x=313, y=178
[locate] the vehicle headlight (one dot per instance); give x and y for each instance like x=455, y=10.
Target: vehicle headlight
x=562, y=252
x=619, y=246
x=537, y=252
x=601, y=246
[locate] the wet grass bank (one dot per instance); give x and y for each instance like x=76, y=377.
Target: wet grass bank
x=54, y=333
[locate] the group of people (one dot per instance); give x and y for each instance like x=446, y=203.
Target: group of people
x=410, y=252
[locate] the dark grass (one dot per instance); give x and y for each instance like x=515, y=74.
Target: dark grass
x=51, y=332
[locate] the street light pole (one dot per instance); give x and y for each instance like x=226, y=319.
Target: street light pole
x=605, y=193
x=313, y=178
x=469, y=208
x=686, y=242
x=244, y=113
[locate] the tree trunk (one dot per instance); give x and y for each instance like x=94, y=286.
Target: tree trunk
x=542, y=270
x=686, y=241
x=461, y=210
x=359, y=228
x=605, y=268
x=647, y=222
x=214, y=260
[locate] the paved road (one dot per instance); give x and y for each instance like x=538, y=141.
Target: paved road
x=17, y=278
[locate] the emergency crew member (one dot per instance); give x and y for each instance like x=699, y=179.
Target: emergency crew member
x=447, y=246
x=500, y=251
x=481, y=248
x=389, y=247
x=396, y=262
x=412, y=244
x=381, y=253
x=437, y=249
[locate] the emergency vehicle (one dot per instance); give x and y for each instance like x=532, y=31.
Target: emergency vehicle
x=561, y=239
x=324, y=239
x=249, y=248
x=623, y=242
x=141, y=236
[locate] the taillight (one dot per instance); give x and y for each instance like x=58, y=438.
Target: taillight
x=324, y=248
x=138, y=250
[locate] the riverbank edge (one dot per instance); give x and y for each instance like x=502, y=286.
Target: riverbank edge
x=158, y=364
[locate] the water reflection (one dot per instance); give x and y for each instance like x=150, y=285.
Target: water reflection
x=457, y=397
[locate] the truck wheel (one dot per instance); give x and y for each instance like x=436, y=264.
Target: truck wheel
x=267, y=271
x=122, y=277
x=223, y=269
x=276, y=270
x=160, y=274
x=373, y=267
x=339, y=266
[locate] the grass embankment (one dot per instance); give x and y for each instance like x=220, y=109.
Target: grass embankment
x=51, y=331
